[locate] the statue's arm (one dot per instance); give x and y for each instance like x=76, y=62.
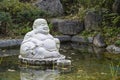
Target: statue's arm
x=28, y=36
x=57, y=42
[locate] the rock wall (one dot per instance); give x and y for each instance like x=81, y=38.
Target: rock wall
x=68, y=27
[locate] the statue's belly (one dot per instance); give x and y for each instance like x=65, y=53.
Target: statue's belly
x=50, y=45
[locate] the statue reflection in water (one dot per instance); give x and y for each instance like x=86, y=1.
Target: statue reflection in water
x=37, y=74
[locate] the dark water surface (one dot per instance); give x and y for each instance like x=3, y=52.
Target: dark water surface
x=88, y=63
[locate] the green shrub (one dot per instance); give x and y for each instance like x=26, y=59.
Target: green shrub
x=5, y=23
x=111, y=31
x=108, y=18
x=22, y=31
x=96, y=3
x=117, y=43
x=21, y=14
x=76, y=9
x=111, y=19
x=116, y=21
x=70, y=6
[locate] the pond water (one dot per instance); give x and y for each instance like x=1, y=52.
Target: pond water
x=88, y=63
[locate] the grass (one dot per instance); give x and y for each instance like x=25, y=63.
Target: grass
x=114, y=71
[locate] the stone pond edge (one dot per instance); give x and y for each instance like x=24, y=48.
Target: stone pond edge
x=17, y=42
x=63, y=38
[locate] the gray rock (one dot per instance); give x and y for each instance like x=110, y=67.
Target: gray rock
x=113, y=49
x=64, y=38
x=79, y=39
x=68, y=27
x=116, y=6
x=82, y=39
x=10, y=43
x=92, y=21
x=53, y=7
x=90, y=39
x=98, y=41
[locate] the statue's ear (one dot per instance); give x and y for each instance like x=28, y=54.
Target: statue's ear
x=34, y=26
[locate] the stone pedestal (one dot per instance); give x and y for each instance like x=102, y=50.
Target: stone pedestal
x=46, y=61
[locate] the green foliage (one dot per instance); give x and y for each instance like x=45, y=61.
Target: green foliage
x=70, y=6
x=5, y=17
x=117, y=43
x=50, y=26
x=114, y=71
x=76, y=9
x=107, y=4
x=110, y=31
x=116, y=21
x=89, y=33
x=96, y=3
x=110, y=34
x=22, y=14
x=5, y=23
x=108, y=18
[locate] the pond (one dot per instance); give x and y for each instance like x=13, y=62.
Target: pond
x=88, y=63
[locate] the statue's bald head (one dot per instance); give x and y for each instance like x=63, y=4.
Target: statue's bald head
x=40, y=25
x=39, y=22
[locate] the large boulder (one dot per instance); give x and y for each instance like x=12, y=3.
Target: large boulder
x=98, y=41
x=116, y=6
x=92, y=21
x=53, y=7
x=68, y=27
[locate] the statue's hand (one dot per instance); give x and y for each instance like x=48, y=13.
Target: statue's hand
x=39, y=44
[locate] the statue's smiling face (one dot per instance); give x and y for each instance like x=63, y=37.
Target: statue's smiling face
x=41, y=26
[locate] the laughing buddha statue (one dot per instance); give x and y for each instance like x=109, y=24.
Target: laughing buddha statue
x=39, y=44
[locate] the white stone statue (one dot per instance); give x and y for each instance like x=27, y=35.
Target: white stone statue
x=39, y=44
